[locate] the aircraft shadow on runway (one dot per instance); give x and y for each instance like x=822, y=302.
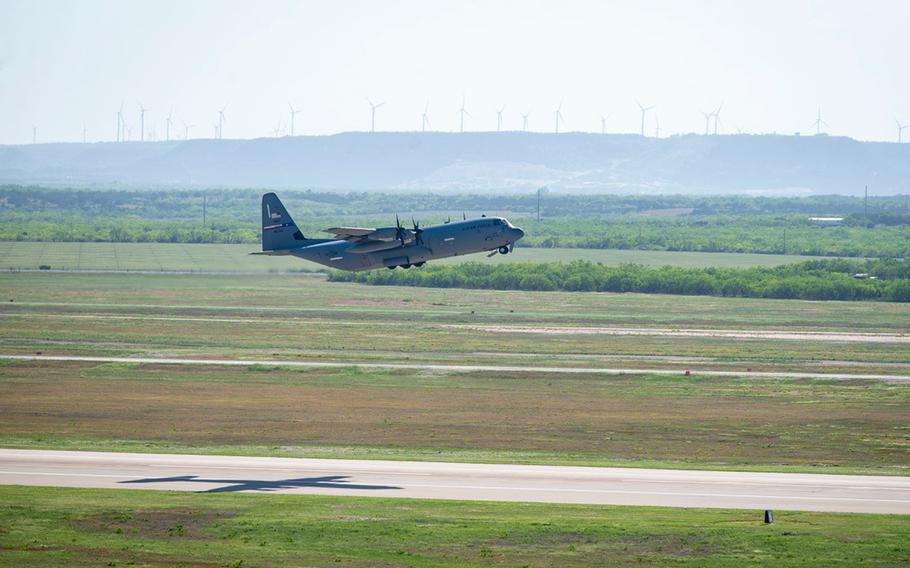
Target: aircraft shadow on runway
x=229, y=485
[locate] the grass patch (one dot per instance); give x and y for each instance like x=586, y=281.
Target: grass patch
x=81, y=527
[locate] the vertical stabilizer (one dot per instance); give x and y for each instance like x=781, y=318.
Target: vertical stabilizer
x=279, y=232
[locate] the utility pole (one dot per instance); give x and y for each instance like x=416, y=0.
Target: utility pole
x=203, y=208
x=866, y=204
x=538, y=204
x=785, y=240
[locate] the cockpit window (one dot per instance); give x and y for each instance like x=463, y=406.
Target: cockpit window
x=497, y=221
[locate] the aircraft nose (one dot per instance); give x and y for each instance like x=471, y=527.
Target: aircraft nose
x=518, y=233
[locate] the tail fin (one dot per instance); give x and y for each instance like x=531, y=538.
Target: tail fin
x=279, y=232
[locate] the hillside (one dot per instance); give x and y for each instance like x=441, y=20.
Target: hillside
x=509, y=161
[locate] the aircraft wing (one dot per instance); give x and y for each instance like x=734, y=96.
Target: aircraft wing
x=351, y=233
x=361, y=234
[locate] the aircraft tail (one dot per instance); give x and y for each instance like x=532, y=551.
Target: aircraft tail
x=279, y=232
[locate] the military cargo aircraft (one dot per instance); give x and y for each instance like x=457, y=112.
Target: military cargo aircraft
x=364, y=248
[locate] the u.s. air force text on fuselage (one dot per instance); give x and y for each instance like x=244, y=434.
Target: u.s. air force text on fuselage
x=366, y=248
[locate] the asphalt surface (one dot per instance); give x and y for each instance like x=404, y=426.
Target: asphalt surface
x=461, y=368
x=431, y=480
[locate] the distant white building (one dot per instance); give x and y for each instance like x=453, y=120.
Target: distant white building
x=827, y=220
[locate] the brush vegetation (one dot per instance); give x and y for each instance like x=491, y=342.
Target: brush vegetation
x=812, y=280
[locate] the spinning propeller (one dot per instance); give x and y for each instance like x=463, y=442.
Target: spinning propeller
x=400, y=232
x=417, y=232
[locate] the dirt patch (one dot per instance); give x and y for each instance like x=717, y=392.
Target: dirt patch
x=156, y=523
x=716, y=333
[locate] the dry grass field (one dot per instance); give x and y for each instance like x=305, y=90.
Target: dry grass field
x=527, y=416
x=687, y=420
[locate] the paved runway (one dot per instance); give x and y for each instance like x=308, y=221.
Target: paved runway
x=554, y=484
x=462, y=368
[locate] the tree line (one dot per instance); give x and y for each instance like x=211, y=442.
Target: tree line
x=671, y=223
x=834, y=279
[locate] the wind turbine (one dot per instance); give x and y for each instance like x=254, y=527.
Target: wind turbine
x=524, y=121
x=277, y=130
x=818, y=122
x=120, y=124
x=657, y=128
x=559, y=116
x=900, y=130
x=643, y=111
x=425, y=118
x=221, y=121
x=83, y=132
x=142, y=111
x=168, y=124
x=717, y=117
x=34, y=134
x=499, y=118
x=186, y=130
x=373, y=114
x=293, y=114
x=462, y=111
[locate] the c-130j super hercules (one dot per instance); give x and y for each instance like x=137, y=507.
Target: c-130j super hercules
x=361, y=248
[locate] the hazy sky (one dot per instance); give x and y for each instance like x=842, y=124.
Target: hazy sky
x=771, y=63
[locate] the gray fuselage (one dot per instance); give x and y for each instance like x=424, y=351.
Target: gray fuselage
x=435, y=241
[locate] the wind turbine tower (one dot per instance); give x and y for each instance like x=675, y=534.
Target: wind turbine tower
x=293, y=114
x=559, y=116
x=900, y=130
x=643, y=111
x=34, y=134
x=462, y=111
x=707, y=116
x=717, y=117
x=120, y=124
x=142, y=111
x=83, y=132
x=186, y=130
x=373, y=114
x=524, y=121
x=499, y=118
x=425, y=117
x=657, y=127
x=818, y=122
x=221, y=121
x=168, y=123
x=603, y=123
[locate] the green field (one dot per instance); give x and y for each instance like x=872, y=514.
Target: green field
x=236, y=258
x=43, y=527
x=517, y=416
